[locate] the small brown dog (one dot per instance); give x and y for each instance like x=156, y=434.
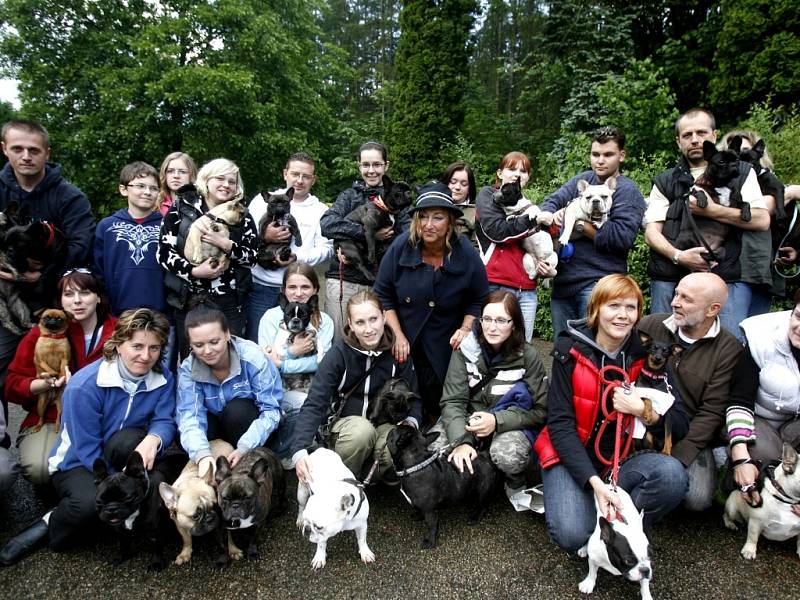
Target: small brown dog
x=222, y=217
x=51, y=359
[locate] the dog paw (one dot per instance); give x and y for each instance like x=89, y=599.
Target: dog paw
x=183, y=558
x=729, y=523
x=235, y=554
x=586, y=586
x=317, y=562
x=583, y=552
x=428, y=543
x=367, y=556
x=222, y=561
x=748, y=553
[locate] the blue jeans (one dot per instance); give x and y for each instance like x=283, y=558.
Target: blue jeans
x=760, y=301
x=661, y=294
x=280, y=441
x=527, y=303
x=260, y=300
x=736, y=308
x=655, y=482
x=570, y=308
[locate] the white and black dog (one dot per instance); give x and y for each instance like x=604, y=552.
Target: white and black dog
x=619, y=546
x=593, y=205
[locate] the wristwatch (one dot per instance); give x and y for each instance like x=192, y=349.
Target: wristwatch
x=676, y=257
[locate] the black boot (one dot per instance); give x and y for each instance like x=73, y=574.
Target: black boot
x=24, y=543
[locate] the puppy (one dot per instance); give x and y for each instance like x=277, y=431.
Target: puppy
x=246, y=495
x=438, y=483
x=221, y=218
x=774, y=518
x=376, y=214
x=278, y=207
x=653, y=378
x=128, y=503
x=593, y=204
x=721, y=170
x=192, y=501
x=620, y=547
x=51, y=359
x=539, y=246
x=391, y=403
x=332, y=502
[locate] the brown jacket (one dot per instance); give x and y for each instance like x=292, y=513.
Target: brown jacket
x=703, y=374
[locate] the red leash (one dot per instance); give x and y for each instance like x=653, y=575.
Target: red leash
x=624, y=422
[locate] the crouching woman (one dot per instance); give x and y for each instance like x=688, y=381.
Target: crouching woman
x=577, y=446
x=495, y=391
x=112, y=407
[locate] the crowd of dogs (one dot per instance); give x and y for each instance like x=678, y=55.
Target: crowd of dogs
x=234, y=503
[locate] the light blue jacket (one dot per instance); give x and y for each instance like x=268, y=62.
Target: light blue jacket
x=252, y=376
x=268, y=329
x=96, y=406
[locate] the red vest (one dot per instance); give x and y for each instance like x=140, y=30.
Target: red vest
x=586, y=391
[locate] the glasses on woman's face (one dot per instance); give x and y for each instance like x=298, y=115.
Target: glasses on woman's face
x=499, y=321
x=366, y=166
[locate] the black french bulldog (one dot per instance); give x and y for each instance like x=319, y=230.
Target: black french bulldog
x=253, y=490
x=722, y=168
x=129, y=503
x=374, y=215
x=391, y=403
x=278, y=213
x=751, y=156
x=508, y=195
x=439, y=483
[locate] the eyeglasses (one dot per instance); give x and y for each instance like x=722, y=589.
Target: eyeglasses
x=83, y=270
x=373, y=165
x=499, y=321
x=142, y=187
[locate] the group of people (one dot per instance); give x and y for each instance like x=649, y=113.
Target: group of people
x=168, y=355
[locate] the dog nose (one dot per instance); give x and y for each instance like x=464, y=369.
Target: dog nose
x=645, y=572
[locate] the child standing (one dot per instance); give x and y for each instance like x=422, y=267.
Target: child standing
x=177, y=170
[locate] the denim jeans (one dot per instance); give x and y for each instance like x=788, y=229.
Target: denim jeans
x=570, y=308
x=736, y=308
x=527, y=303
x=656, y=483
x=281, y=439
x=260, y=300
x=661, y=293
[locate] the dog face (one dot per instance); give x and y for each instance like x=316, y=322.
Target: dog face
x=752, y=155
x=232, y=212
x=397, y=194
x=119, y=496
x=509, y=194
x=330, y=509
x=53, y=321
x=297, y=315
x=31, y=247
x=659, y=352
x=628, y=549
x=244, y=493
x=596, y=200
x=279, y=205
x=391, y=403
x=722, y=165
x=192, y=504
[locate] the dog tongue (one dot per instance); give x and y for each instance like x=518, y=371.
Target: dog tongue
x=378, y=201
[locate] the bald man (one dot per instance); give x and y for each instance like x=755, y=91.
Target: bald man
x=703, y=373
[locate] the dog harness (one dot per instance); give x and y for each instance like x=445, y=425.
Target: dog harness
x=362, y=495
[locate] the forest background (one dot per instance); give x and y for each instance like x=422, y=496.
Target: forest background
x=436, y=80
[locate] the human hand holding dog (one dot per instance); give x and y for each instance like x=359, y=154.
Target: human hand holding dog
x=384, y=233
x=693, y=260
x=342, y=258
x=207, y=271
x=302, y=345
x=215, y=238
x=463, y=456
x=45, y=382
x=482, y=424
x=303, y=470
x=608, y=501
x=276, y=234
x=148, y=448
x=234, y=457
x=628, y=402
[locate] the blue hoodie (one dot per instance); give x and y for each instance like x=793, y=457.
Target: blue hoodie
x=96, y=406
x=125, y=260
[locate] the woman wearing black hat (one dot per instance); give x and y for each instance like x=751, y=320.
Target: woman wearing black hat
x=432, y=283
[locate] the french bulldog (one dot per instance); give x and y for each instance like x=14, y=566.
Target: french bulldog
x=391, y=403
x=593, y=204
x=722, y=167
x=222, y=217
x=774, y=518
x=438, y=483
x=331, y=502
x=278, y=213
x=375, y=214
x=538, y=247
x=620, y=547
x=247, y=494
x=751, y=156
x=192, y=501
x=128, y=503
x=51, y=358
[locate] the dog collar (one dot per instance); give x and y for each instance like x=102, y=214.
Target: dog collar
x=53, y=336
x=378, y=202
x=652, y=375
x=51, y=234
x=428, y=461
x=362, y=495
x=781, y=494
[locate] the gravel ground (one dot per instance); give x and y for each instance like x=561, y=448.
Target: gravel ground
x=507, y=555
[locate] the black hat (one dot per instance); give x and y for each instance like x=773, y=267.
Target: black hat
x=436, y=195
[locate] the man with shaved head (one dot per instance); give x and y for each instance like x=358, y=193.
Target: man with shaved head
x=703, y=369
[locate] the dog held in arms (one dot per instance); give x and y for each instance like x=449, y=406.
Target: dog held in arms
x=377, y=213
x=332, y=501
x=220, y=219
x=51, y=359
x=776, y=517
x=619, y=546
x=278, y=213
x=593, y=204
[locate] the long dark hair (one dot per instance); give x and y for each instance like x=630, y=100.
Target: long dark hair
x=455, y=168
x=516, y=341
x=84, y=279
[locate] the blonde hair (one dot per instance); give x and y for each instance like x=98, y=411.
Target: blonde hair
x=415, y=231
x=133, y=320
x=162, y=175
x=752, y=137
x=214, y=168
x=612, y=287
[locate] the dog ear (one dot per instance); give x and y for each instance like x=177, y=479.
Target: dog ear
x=387, y=183
x=676, y=349
x=135, y=465
x=223, y=470
x=789, y=458
x=282, y=300
x=611, y=182
x=735, y=144
x=289, y=193
x=709, y=149
x=607, y=533
x=348, y=500
x=431, y=437
x=758, y=148
x=313, y=303
x=259, y=471
x=168, y=495
x=646, y=339
x=582, y=185
x=100, y=470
